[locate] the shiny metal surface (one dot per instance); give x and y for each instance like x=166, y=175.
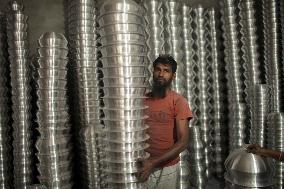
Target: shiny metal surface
x=16, y=29
x=250, y=170
x=123, y=60
x=138, y=90
x=121, y=28
x=6, y=153
x=121, y=48
x=125, y=71
x=119, y=17
x=53, y=145
x=119, y=113
x=120, y=102
x=126, y=81
x=130, y=38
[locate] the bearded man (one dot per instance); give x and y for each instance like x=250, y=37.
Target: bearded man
x=168, y=119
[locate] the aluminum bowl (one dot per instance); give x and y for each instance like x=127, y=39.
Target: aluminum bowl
x=123, y=38
x=37, y=186
x=84, y=50
x=52, y=39
x=51, y=104
x=17, y=36
x=83, y=42
x=127, y=124
x=81, y=9
x=53, y=132
x=123, y=60
x=125, y=167
x=52, y=73
x=121, y=6
x=17, y=26
x=122, y=48
x=53, y=145
x=132, y=185
x=21, y=53
x=85, y=64
x=125, y=156
x=51, y=84
x=53, y=52
x=49, y=62
x=83, y=37
x=249, y=170
x=121, y=28
x=125, y=81
x=83, y=15
x=59, y=116
x=54, y=125
x=82, y=29
x=123, y=91
x=139, y=134
x=121, y=177
x=125, y=71
x=120, y=17
x=50, y=171
x=120, y=102
x=117, y=146
x=124, y=113
x=59, y=181
x=47, y=95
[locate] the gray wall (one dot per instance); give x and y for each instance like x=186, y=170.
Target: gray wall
x=48, y=15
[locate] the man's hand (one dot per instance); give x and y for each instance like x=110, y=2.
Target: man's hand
x=148, y=166
x=255, y=149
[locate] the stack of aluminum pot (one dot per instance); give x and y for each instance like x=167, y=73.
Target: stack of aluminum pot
x=83, y=81
x=54, y=144
x=20, y=83
x=6, y=161
x=125, y=72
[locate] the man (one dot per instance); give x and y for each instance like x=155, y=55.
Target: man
x=169, y=114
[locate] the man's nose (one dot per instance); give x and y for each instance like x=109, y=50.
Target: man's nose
x=161, y=74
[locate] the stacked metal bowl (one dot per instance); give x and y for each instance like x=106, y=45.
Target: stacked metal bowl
x=174, y=42
x=84, y=79
x=20, y=78
x=154, y=29
x=260, y=108
x=250, y=46
x=197, y=168
x=6, y=153
x=219, y=98
x=54, y=144
x=202, y=95
x=235, y=72
x=272, y=51
x=276, y=142
x=125, y=74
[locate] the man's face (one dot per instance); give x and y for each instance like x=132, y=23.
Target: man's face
x=163, y=75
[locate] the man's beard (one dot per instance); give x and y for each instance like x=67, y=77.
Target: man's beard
x=159, y=90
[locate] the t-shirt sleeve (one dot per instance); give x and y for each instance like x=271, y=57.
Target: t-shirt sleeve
x=182, y=109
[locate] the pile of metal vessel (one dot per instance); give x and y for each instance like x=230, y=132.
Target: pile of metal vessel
x=125, y=76
x=54, y=145
x=21, y=105
x=83, y=78
x=6, y=161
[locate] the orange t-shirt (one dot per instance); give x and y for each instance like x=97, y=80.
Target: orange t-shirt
x=162, y=115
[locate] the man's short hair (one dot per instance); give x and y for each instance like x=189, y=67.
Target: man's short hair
x=166, y=59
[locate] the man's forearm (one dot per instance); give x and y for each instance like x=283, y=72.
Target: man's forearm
x=173, y=152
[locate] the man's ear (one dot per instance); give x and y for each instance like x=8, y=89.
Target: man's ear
x=174, y=75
